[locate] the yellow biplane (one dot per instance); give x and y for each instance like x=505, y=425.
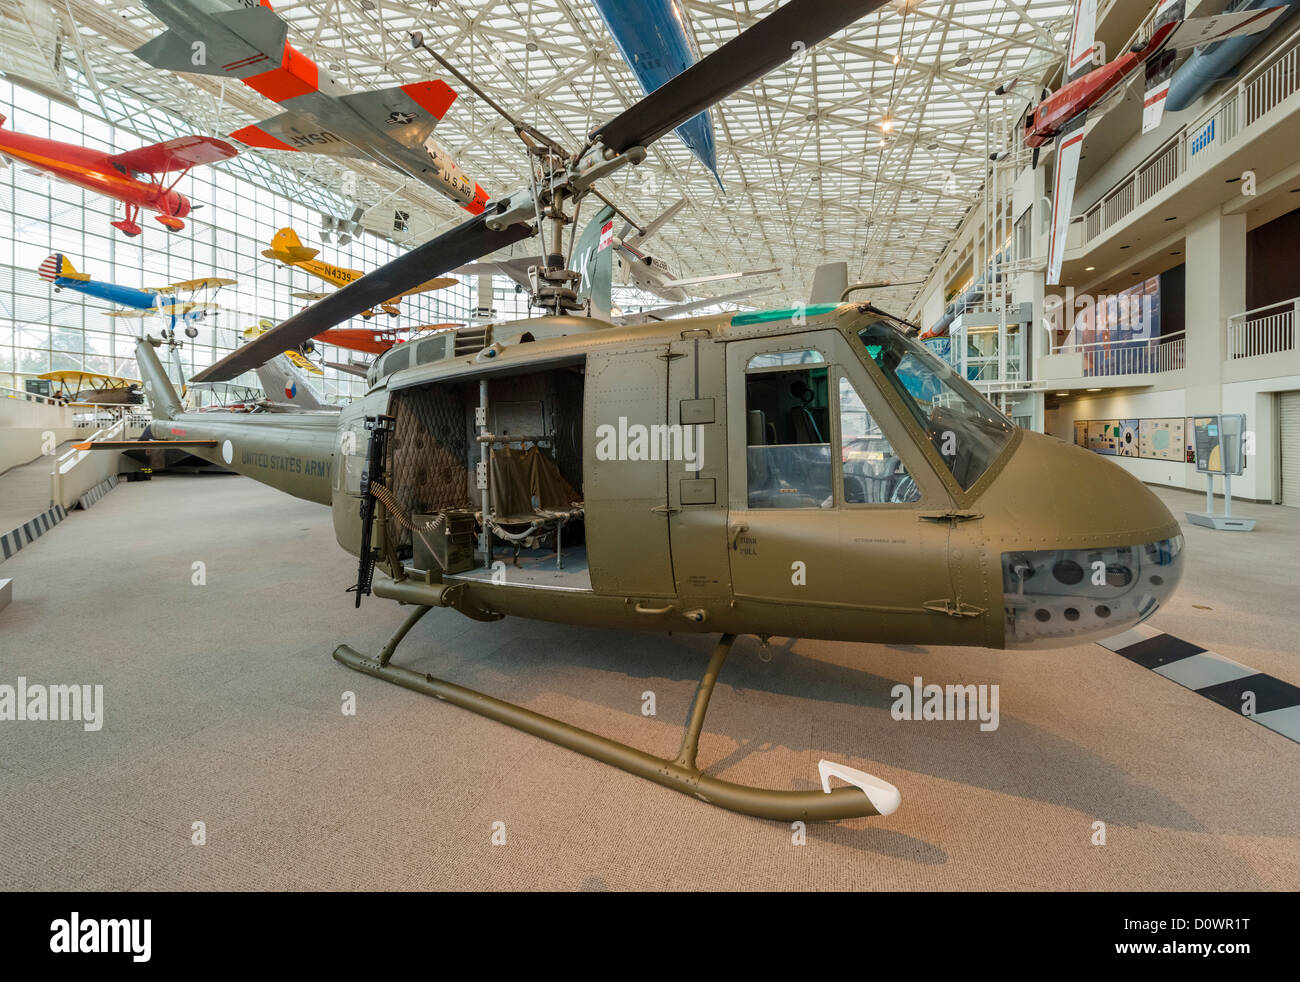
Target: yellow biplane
x=78, y=387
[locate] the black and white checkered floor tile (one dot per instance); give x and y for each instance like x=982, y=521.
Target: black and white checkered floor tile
x=1267, y=700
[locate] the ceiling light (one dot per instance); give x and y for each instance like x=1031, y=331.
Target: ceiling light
x=1094, y=390
x=932, y=146
x=964, y=59
x=887, y=124
x=1062, y=393
x=1089, y=269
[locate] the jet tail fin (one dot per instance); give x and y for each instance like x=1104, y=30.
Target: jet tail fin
x=830, y=280
x=164, y=403
x=287, y=248
x=593, y=257
x=283, y=383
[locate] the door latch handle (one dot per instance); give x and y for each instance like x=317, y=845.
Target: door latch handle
x=665, y=509
x=736, y=532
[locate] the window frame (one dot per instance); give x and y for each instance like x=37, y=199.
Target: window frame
x=927, y=473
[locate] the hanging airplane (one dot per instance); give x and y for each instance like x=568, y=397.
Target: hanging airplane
x=656, y=44
x=288, y=250
x=115, y=174
x=636, y=269
x=79, y=387
x=1066, y=116
x=812, y=472
x=238, y=39
x=654, y=275
x=150, y=301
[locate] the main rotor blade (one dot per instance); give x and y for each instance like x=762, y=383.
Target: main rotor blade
x=798, y=25
x=455, y=247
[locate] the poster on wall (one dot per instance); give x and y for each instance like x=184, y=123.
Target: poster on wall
x=1127, y=438
x=1081, y=433
x=1103, y=436
x=1161, y=439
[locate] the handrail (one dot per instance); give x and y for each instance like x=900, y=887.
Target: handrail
x=1223, y=122
x=1294, y=302
x=1157, y=339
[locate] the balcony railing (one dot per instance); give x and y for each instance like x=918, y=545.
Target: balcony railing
x=1139, y=356
x=1259, y=92
x=1263, y=331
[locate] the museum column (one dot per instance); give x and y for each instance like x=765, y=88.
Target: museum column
x=1216, y=289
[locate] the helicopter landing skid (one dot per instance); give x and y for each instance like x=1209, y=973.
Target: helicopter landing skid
x=865, y=796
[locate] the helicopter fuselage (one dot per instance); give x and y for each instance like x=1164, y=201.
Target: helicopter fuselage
x=808, y=473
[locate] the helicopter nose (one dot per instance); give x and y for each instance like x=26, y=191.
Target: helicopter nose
x=1087, y=551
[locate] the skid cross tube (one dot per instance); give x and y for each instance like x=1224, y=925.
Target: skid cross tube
x=681, y=774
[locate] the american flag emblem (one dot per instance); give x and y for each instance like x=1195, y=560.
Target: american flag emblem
x=50, y=269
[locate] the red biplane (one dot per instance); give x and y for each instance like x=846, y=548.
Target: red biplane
x=115, y=174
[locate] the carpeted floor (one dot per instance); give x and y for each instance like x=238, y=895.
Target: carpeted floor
x=223, y=706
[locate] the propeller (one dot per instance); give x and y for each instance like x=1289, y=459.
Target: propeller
x=797, y=25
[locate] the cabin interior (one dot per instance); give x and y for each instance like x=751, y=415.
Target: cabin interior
x=531, y=518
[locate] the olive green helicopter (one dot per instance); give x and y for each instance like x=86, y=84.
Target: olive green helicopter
x=810, y=472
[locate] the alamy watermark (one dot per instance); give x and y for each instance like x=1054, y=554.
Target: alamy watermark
x=946, y=702
x=26, y=702
x=655, y=441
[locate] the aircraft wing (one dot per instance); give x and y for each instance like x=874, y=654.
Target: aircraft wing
x=181, y=153
x=1196, y=31
x=407, y=113
x=1069, y=148
x=349, y=368
x=313, y=297
x=698, y=280
x=203, y=283
x=437, y=283
x=1083, y=40
x=238, y=43
x=516, y=269
x=676, y=310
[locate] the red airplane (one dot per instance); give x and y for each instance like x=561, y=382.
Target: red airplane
x=114, y=174
x=1068, y=115
x=373, y=342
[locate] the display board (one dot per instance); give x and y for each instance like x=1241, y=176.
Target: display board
x=1127, y=438
x=1162, y=439
x=1171, y=438
x=1103, y=436
x=1219, y=444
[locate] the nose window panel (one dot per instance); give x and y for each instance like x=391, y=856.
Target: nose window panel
x=965, y=429
x=1058, y=596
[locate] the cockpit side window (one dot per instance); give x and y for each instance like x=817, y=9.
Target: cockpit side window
x=788, y=436
x=968, y=433
x=873, y=473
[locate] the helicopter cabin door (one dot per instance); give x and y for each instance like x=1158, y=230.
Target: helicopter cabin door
x=827, y=491
x=625, y=477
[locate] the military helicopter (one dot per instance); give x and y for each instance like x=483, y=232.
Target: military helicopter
x=812, y=472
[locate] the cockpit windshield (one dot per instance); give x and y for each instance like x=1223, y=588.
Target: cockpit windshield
x=968, y=433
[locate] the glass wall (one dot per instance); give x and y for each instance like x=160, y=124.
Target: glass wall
x=42, y=330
